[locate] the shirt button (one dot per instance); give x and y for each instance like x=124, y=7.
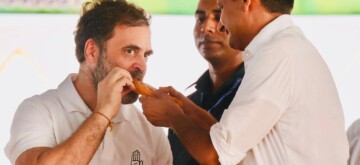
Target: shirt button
x=246, y=54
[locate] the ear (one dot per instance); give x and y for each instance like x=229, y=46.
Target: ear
x=91, y=51
x=247, y=4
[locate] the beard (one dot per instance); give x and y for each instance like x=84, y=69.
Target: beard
x=101, y=71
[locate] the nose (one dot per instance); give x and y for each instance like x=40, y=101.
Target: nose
x=140, y=63
x=209, y=26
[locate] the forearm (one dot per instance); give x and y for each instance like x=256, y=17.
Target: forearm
x=201, y=117
x=78, y=149
x=196, y=139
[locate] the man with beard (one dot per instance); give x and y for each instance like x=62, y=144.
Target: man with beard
x=287, y=109
x=216, y=88
x=89, y=118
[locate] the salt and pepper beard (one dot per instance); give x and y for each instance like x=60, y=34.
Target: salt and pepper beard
x=103, y=68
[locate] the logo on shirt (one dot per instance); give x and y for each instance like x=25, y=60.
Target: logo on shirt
x=135, y=158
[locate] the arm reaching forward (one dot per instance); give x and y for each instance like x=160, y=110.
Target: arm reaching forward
x=191, y=123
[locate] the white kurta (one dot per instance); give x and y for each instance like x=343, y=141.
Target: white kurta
x=287, y=110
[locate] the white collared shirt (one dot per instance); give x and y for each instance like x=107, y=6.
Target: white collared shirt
x=287, y=110
x=48, y=119
x=353, y=134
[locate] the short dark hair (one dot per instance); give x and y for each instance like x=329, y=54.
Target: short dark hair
x=278, y=6
x=99, y=19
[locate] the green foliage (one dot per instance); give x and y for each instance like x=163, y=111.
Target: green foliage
x=180, y=6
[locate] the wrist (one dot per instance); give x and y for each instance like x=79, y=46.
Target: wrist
x=110, y=124
x=177, y=118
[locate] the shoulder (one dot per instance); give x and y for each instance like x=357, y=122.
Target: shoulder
x=354, y=130
x=39, y=103
x=35, y=112
x=289, y=41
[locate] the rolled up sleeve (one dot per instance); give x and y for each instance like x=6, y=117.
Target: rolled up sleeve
x=227, y=153
x=241, y=128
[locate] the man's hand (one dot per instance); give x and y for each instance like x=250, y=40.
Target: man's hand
x=110, y=91
x=190, y=122
x=188, y=106
x=160, y=108
x=195, y=113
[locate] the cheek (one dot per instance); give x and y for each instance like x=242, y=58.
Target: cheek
x=232, y=41
x=196, y=36
x=122, y=63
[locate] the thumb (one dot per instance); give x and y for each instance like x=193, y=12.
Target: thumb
x=172, y=92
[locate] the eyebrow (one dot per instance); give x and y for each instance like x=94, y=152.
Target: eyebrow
x=149, y=52
x=131, y=47
x=135, y=47
x=199, y=11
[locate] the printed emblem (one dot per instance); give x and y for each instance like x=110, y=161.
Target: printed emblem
x=135, y=158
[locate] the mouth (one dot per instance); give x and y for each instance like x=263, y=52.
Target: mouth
x=126, y=91
x=136, y=76
x=209, y=43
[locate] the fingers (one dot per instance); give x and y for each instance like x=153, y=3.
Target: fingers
x=124, y=82
x=171, y=93
x=150, y=87
x=170, y=90
x=120, y=76
x=142, y=99
x=110, y=91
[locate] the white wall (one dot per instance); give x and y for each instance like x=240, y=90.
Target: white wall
x=37, y=53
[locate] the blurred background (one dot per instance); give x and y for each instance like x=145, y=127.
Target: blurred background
x=37, y=48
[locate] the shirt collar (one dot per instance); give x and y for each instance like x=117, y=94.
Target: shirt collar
x=72, y=101
x=268, y=33
x=203, y=84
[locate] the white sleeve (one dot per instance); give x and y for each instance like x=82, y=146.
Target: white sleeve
x=257, y=106
x=355, y=152
x=353, y=134
x=31, y=127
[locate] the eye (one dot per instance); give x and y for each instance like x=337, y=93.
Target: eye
x=130, y=51
x=200, y=20
x=146, y=55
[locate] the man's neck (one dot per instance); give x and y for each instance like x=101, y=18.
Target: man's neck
x=222, y=71
x=84, y=86
x=258, y=22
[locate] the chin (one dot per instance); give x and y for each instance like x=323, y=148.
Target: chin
x=130, y=98
x=235, y=44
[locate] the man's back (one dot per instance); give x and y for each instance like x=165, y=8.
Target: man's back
x=290, y=99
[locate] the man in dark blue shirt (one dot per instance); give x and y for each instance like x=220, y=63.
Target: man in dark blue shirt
x=216, y=88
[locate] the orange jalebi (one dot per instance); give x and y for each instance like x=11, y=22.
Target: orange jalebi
x=147, y=90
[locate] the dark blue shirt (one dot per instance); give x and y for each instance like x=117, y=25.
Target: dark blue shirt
x=214, y=103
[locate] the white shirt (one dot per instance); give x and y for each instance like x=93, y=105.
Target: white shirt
x=353, y=134
x=48, y=119
x=287, y=110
